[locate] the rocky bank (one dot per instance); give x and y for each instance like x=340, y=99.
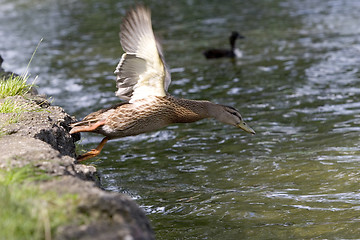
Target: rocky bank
x=41, y=138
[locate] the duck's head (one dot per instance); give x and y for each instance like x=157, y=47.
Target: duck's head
x=234, y=35
x=231, y=116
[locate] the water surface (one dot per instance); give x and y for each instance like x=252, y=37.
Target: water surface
x=297, y=86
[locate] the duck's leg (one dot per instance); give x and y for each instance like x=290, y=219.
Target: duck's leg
x=93, y=152
x=89, y=128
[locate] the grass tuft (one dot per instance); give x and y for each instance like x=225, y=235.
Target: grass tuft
x=11, y=106
x=15, y=109
x=14, y=85
x=17, y=85
x=26, y=211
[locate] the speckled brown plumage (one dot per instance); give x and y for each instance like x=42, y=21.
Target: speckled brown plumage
x=146, y=115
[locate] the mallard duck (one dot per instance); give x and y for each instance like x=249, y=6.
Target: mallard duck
x=142, y=79
x=229, y=53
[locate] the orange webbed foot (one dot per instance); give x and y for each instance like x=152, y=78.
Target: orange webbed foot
x=93, y=152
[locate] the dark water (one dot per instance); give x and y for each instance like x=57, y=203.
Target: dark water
x=297, y=86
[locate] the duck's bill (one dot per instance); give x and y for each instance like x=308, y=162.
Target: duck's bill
x=245, y=127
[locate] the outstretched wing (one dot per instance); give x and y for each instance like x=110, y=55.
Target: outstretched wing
x=142, y=71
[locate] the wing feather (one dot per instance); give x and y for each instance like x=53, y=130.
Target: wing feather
x=142, y=71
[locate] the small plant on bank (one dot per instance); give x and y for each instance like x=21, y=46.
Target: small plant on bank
x=11, y=106
x=10, y=86
x=28, y=212
x=14, y=108
x=15, y=85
